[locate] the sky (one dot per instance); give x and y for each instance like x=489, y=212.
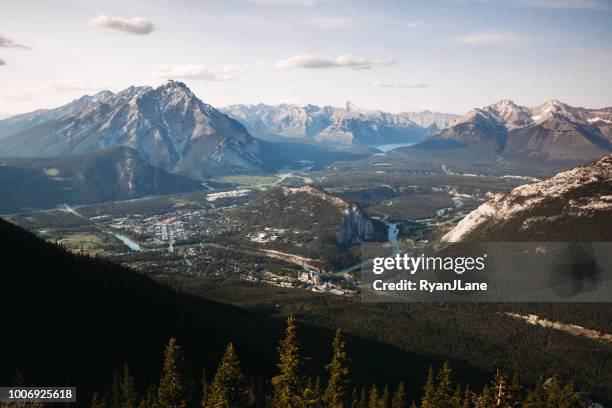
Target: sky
x=441, y=55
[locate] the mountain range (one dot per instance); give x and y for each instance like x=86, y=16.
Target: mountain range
x=337, y=126
x=552, y=131
x=168, y=126
x=112, y=174
x=575, y=205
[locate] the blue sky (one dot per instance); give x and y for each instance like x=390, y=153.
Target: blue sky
x=443, y=55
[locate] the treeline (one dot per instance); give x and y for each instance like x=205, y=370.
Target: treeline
x=291, y=388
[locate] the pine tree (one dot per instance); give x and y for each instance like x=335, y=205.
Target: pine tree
x=457, y=400
x=485, y=399
x=444, y=388
x=385, y=398
x=128, y=397
x=97, y=401
x=399, y=396
x=467, y=397
x=174, y=388
x=149, y=400
x=311, y=397
x=503, y=395
x=363, y=398
x=251, y=393
x=373, y=397
x=354, y=399
x=429, y=397
x=228, y=389
x=537, y=397
x=205, y=388
x=336, y=392
x=559, y=396
x=288, y=383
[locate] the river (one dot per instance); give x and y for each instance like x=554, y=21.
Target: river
x=127, y=241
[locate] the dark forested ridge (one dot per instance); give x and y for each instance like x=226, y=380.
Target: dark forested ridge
x=73, y=320
x=107, y=175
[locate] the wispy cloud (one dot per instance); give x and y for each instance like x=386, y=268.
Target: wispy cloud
x=6, y=42
x=490, y=38
x=410, y=24
x=201, y=72
x=135, y=25
x=68, y=86
x=298, y=3
x=384, y=84
x=313, y=61
x=568, y=4
x=331, y=22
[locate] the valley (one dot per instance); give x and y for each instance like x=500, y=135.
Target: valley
x=277, y=228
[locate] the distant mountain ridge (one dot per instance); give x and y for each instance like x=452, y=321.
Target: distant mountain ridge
x=335, y=125
x=112, y=174
x=168, y=126
x=552, y=131
x=575, y=205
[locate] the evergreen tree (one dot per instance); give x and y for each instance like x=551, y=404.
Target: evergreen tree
x=128, y=397
x=336, y=392
x=385, y=398
x=444, y=388
x=373, y=397
x=413, y=405
x=537, y=397
x=399, y=396
x=97, y=401
x=311, y=397
x=354, y=399
x=503, y=395
x=467, y=397
x=251, y=393
x=429, y=392
x=174, y=388
x=559, y=396
x=485, y=399
x=150, y=398
x=457, y=400
x=205, y=388
x=363, y=398
x=288, y=383
x=228, y=389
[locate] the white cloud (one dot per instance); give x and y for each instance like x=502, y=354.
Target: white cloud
x=261, y=63
x=490, y=38
x=292, y=88
x=384, y=84
x=202, y=72
x=6, y=42
x=331, y=22
x=68, y=85
x=313, y=61
x=298, y=3
x=135, y=25
x=568, y=4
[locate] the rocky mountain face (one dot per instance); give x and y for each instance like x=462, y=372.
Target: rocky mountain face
x=340, y=126
x=553, y=131
x=315, y=212
x=113, y=174
x=574, y=205
x=168, y=126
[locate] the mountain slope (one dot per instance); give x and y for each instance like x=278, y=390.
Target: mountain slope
x=107, y=175
x=169, y=127
x=312, y=223
x=97, y=316
x=332, y=125
x=574, y=205
x=553, y=131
